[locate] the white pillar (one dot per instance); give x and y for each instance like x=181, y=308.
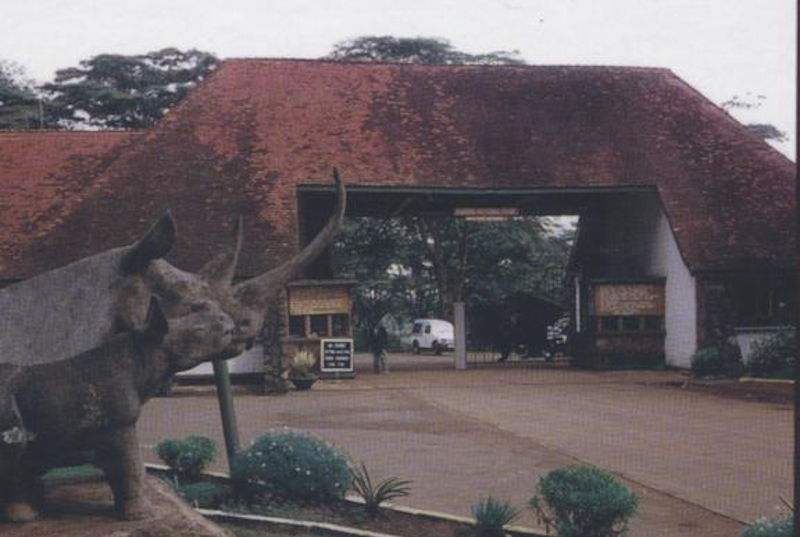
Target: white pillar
x=460, y=326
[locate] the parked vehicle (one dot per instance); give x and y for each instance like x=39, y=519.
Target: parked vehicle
x=433, y=335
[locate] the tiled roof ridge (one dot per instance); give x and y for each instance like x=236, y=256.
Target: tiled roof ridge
x=55, y=132
x=599, y=67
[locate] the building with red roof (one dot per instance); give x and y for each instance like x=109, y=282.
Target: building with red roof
x=670, y=188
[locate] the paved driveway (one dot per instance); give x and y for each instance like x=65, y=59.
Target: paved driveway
x=700, y=464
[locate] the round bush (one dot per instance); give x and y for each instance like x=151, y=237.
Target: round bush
x=188, y=457
x=581, y=501
x=294, y=465
x=774, y=356
x=716, y=361
x=783, y=527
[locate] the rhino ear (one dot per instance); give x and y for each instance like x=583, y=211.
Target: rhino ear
x=154, y=245
x=156, y=325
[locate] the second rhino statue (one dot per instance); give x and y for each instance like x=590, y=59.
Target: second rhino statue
x=51, y=412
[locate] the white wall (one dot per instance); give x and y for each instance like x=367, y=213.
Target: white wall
x=652, y=247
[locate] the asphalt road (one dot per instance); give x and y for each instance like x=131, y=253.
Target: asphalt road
x=701, y=464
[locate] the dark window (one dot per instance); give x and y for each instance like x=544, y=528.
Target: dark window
x=417, y=328
x=319, y=325
x=762, y=299
x=653, y=323
x=341, y=325
x=608, y=324
x=631, y=323
x=427, y=329
x=297, y=325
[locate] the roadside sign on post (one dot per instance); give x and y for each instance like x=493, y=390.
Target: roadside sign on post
x=336, y=356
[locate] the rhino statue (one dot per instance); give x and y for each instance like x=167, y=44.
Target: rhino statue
x=53, y=410
x=65, y=335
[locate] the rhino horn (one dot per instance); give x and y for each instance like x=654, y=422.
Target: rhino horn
x=259, y=290
x=154, y=245
x=220, y=270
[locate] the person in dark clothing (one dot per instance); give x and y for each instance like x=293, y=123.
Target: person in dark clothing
x=379, y=340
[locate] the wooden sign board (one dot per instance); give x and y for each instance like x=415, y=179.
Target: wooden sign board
x=336, y=355
x=319, y=300
x=629, y=299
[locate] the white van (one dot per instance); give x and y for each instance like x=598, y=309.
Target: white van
x=433, y=335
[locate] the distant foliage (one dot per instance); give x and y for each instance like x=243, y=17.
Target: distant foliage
x=188, y=457
x=582, y=501
x=292, y=464
x=19, y=107
x=783, y=527
x=491, y=516
x=774, y=356
x=717, y=361
x=419, y=50
x=114, y=91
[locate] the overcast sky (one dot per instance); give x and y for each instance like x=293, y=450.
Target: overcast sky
x=724, y=48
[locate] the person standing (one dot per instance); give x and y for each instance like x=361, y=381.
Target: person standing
x=379, y=340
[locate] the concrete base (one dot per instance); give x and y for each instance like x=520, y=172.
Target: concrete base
x=86, y=509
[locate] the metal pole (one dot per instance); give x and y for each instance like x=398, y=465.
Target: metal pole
x=459, y=319
x=226, y=409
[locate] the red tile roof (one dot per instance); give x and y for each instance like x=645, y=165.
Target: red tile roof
x=243, y=140
x=44, y=177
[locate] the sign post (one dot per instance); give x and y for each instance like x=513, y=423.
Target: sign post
x=336, y=357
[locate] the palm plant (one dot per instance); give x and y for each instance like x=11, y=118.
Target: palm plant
x=491, y=516
x=375, y=495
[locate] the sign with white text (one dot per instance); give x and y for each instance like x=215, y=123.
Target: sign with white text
x=336, y=355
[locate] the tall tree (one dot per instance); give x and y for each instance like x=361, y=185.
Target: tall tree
x=422, y=50
x=19, y=104
x=113, y=91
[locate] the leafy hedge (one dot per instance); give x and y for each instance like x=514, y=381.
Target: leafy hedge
x=717, y=361
x=774, y=356
x=581, y=501
x=292, y=464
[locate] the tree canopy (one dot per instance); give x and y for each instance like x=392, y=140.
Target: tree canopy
x=420, y=50
x=18, y=100
x=113, y=91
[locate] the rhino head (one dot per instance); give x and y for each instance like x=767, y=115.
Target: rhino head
x=208, y=297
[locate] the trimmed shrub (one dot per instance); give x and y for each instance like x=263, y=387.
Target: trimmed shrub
x=292, y=464
x=783, y=527
x=491, y=515
x=580, y=501
x=188, y=457
x=204, y=494
x=774, y=356
x=717, y=362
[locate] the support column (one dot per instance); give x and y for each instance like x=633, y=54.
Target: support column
x=226, y=409
x=460, y=326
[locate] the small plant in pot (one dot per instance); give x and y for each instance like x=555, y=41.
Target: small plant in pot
x=301, y=370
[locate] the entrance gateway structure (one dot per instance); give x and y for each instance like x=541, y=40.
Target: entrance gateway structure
x=687, y=227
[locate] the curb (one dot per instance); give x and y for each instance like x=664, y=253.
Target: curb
x=757, y=380
x=325, y=527
x=344, y=531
